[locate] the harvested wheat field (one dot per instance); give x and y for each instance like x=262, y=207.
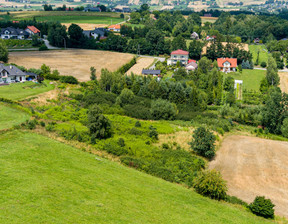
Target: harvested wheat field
x=87, y=26
x=141, y=63
x=284, y=81
x=253, y=166
x=71, y=62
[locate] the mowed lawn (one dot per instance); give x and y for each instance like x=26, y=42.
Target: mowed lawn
x=44, y=181
x=251, y=78
x=20, y=91
x=10, y=116
x=263, y=53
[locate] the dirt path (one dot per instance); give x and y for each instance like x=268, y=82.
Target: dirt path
x=254, y=166
x=284, y=81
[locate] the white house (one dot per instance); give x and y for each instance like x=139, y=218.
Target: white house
x=10, y=74
x=179, y=55
x=32, y=30
x=115, y=28
x=13, y=33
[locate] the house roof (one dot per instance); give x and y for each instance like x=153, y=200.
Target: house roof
x=13, y=31
x=232, y=61
x=191, y=66
x=150, y=72
x=191, y=60
x=11, y=70
x=117, y=26
x=100, y=31
x=33, y=29
x=179, y=51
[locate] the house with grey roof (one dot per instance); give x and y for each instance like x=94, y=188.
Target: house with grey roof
x=13, y=33
x=151, y=72
x=97, y=32
x=10, y=74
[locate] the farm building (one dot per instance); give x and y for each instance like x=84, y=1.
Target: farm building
x=194, y=36
x=227, y=64
x=11, y=73
x=32, y=30
x=115, y=28
x=97, y=32
x=178, y=55
x=13, y=33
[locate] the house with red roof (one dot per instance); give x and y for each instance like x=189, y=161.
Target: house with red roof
x=178, y=55
x=115, y=28
x=227, y=64
x=32, y=30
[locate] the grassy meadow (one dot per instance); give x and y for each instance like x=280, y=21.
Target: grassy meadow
x=251, y=78
x=263, y=53
x=20, y=91
x=11, y=116
x=44, y=181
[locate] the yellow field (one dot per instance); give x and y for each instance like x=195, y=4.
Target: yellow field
x=71, y=62
x=142, y=63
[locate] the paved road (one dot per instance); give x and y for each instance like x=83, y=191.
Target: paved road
x=49, y=46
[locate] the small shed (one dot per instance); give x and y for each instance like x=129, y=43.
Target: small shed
x=151, y=72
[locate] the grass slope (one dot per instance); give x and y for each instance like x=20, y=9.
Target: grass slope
x=44, y=181
x=251, y=78
x=263, y=53
x=20, y=91
x=10, y=116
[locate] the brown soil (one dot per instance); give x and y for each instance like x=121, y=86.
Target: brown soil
x=141, y=63
x=254, y=166
x=284, y=81
x=71, y=62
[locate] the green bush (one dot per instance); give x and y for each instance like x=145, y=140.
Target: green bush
x=43, y=47
x=263, y=64
x=31, y=124
x=50, y=126
x=135, y=131
x=163, y=109
x=138, y=111
x=210, y=184
x=153, y=133
x=137, y=124
x=284, y=128
x=235, y=200
x=262, y=207
x=203, y=142
x=126, y=97
x=68, y=79
x=42, y=123
x=115, y=149
x=127, y=66
x=121, y=142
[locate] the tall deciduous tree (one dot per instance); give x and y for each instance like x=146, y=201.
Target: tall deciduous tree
x=272, y=72
x=195, y=49
x=3, y=52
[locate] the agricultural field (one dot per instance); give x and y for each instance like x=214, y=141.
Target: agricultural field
x=263, y=53
x=71, y=62
x=142, y=63
x=11, y=116
x=20, y=91
x=71, y=186
x=253, y=166
x=208, y=19
x=251, y=78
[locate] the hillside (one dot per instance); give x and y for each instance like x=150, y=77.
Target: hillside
x=44, y=181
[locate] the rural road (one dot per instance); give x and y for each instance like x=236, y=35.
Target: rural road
x=49, y=46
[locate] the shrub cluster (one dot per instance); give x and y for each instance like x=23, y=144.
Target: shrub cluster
x=262, y=207
x=68, y=79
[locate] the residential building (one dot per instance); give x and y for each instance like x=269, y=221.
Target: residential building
x=115, y=28
x=13, y=33
x=32, y=30
x=151, y=72
x=178, y=55
x=92, y=9
x=194, y=36
x=227, y=64
x=10, y=74
x=191, y=66
x=97, y=32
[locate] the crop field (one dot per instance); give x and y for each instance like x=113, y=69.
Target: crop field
x=69, y=17
x=142, y=63
x=284, y=81
x=251, y=78
x=263, y=53
x=45, y=181
x=11, y=116
x=208, y=19
x=254, y=166
x=20, y=91
x=72, y=62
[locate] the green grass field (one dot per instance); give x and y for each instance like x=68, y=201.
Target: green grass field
x=251, y=78
x=263, y=53
x=11, y=116
x=44, y=181
x=69, y=17
x=20, y=91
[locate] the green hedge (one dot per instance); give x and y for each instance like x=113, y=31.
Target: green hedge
x=127, y=66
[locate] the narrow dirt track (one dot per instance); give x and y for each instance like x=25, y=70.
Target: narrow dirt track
x=254, y=166
x=284, y=81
